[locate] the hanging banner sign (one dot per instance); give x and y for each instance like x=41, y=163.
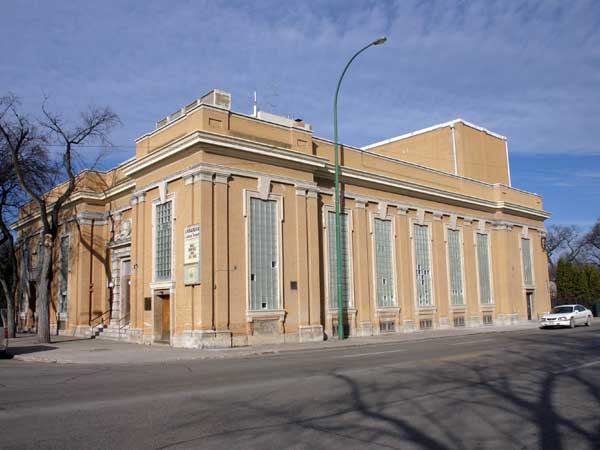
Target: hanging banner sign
x=191, y=254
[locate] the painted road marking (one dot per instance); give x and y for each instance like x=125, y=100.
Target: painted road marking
x=572, y=369
x=471, y=342
x=372, y=353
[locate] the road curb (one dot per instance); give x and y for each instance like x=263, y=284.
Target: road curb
x=249, y=352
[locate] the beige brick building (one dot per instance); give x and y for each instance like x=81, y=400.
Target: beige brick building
x=219, y=232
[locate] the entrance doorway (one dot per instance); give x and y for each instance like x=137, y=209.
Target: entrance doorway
x=529, y=298
x=166, y=318
x=125, y=291
x=162, y=316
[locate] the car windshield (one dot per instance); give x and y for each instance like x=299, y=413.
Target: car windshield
x=562, y=309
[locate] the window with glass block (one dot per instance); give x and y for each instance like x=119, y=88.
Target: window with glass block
x=422, y=265
x=332, y=257
x=527, y=263
x=483, y=262
x=384, y=263
x=163, y=236
x=64, y=275
x=455, y=267
x=264, y=255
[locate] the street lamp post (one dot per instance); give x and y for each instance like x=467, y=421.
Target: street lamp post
x=338, y=234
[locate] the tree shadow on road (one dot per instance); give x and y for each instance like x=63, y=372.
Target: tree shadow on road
x=519, y=397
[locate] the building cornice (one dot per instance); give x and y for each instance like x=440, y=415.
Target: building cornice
x=78, y=196
x=438, y=194
x=207, y=138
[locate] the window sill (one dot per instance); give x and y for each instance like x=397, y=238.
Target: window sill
x=462, y=307
x=270, y=314
x=487, y=306
x=349, y=309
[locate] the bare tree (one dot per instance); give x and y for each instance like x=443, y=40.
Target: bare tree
x=21, y=133
x=35, y=171
x=564, y=241
x=9, y=275
x=593, y=241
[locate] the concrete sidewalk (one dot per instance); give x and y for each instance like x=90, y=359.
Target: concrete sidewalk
x=69, y=350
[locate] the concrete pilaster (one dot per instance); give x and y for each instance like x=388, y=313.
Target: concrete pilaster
x=143, y=272
x=302, y=292
x=441, y=292
x=362, y=269
x=185, y=299
x=500, y=245
x=221, y=252
x=404, y=280
x=204, y=315
x=470, y=268
x=313, y=244
x=136, y=302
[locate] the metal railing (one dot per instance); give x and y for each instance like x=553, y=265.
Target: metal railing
x=122, y=323
x=100, y=319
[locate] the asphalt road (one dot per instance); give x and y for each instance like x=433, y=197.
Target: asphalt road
x=529, y=389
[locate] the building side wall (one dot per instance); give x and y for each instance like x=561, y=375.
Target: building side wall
x=467, y=152
x=431, y=149
x=480, y=155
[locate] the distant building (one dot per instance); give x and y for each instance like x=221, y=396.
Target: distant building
x=220, y=232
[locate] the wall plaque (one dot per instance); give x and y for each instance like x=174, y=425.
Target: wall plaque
x=191, y=255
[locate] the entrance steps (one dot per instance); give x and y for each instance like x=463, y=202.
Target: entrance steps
x=111, y=332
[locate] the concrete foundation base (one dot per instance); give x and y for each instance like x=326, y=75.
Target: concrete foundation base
x=507, y=319
x=408, y=326
x=266, y=339
x=473, y=321
x=202, y=339
x=310, y=333
x=82, y=331
x=136, y=335
x=364, y=329
x=444, y=323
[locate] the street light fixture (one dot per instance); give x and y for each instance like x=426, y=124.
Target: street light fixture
x=338, y=235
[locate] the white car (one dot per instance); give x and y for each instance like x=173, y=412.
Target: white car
x=567, y=316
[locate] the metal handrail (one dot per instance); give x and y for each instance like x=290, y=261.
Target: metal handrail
x=100, y=319
x=122, y=319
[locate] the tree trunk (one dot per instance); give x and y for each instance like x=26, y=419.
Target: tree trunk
x=10, y=310
x=44, y=292
x=9, y=291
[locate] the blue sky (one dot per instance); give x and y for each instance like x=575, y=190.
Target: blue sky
x=529, y=70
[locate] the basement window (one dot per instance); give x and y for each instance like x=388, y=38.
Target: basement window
x=425, y=324
x=459, y=321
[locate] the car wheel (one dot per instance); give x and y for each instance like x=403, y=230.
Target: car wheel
x=588, y=322
x=572, y=323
